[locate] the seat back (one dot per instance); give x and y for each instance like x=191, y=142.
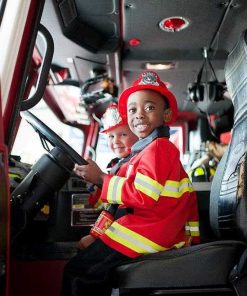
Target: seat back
x=228, y=211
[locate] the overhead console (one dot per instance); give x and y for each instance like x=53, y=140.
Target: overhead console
x=91, y=25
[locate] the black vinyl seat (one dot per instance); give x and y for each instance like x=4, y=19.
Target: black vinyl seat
x=197, y=267
x=208, y=267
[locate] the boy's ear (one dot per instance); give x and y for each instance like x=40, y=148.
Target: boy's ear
x=167, y=114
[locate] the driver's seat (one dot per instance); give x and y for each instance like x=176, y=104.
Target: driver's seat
x=217, y=265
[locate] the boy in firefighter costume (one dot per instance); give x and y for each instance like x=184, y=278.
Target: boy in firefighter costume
x=153, y=183
x=120, y=140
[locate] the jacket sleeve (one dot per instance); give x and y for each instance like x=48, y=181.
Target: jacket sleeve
x=94, y=199
x=146, y=181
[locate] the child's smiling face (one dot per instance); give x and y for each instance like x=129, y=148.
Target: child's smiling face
x=120, y=140
x=146, y=111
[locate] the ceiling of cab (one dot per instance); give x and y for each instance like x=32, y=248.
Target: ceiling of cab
x=92, y=34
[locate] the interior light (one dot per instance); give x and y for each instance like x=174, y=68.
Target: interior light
x=173, y=24
x=160, y=66
x=134, y=42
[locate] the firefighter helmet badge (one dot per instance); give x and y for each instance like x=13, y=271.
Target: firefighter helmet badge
x=149, y=78
x=112, y=118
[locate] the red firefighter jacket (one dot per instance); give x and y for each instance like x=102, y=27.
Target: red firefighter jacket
x=155, y=185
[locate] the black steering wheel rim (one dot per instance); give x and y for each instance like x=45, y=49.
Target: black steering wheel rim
x=46, y=133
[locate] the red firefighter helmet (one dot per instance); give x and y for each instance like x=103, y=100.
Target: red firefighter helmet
x=149, y=80
x=112, y=119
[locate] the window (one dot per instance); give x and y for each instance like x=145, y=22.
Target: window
x=176, y=137
x=27, y=143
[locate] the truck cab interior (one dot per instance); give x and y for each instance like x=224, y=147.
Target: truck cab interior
x=62, y=63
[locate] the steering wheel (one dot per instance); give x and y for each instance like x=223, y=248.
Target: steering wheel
x=47, y=134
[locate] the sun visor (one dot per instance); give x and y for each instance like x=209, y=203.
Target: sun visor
x=93, y=26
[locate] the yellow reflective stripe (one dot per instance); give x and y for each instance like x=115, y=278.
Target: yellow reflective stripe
x=199, y=172
x=177, y=188
x=98, y=203
x=148, y=186
x=14, y=175
x=187, y=229
x=212, y=171
x=179, y=245
x=194, y=228
x=114, y=193
x=132, y=240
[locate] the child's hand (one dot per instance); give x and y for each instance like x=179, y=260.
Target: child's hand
x=85, y=241
x=90, y=172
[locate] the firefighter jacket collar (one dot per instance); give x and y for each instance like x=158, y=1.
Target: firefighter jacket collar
x=160, y=132
x=116, y=167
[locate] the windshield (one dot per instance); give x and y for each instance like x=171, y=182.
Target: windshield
x=27, y=144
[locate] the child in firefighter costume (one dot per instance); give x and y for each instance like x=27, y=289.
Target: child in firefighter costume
x=120, y=140
x=153, y=183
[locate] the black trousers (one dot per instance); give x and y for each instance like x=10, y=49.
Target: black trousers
x=88, y=273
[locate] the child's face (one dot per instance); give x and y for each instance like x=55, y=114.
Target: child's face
x=120, y=140
x=146, y=111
